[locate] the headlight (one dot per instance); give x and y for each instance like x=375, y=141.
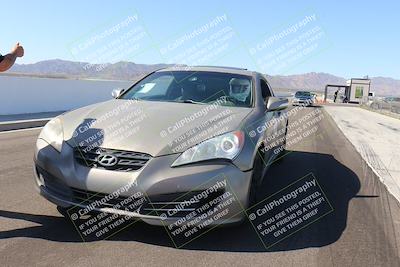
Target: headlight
x=53, y=134
x=226, y=146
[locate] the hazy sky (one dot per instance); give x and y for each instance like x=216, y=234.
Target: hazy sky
x=345, y=38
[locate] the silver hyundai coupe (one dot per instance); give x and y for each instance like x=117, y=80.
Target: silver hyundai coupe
x=179, y=143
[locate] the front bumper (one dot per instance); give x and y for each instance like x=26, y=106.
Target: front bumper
x=297, y=101
x=59, y=177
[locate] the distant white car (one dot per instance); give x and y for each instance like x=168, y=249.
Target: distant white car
x=303, y=98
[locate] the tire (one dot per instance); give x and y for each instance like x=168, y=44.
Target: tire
x=256, y=178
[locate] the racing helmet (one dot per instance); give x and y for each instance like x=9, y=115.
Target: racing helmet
x=239, y=89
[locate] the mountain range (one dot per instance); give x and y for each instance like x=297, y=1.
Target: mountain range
x=124, y=70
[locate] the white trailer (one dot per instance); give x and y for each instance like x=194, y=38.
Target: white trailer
x=357, y=90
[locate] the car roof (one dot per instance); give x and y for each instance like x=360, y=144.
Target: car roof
x=221, y=69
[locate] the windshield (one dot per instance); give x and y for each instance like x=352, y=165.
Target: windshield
x=302, y=94
x=194, y=87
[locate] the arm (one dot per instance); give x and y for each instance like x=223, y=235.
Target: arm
x=7, y=62
x=9, y=59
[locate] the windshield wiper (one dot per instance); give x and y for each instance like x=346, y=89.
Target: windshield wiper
x=134, y=98
x=191, y=101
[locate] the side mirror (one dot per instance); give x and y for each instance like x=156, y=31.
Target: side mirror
x=276, y=103
x=117, y=92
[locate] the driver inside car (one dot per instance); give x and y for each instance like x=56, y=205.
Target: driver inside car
x=239, y=89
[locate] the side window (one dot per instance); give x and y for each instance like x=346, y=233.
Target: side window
x=265, y=91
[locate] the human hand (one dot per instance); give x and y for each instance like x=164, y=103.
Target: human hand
x=18, y=50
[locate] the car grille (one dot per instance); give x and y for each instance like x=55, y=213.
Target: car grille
x=126, y=160
x=176, y=205
x=87, y=197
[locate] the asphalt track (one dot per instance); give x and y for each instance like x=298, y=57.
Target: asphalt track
x=363, y=230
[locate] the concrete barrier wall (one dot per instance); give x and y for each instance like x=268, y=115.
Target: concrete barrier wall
x=19, y=95
x=22, y=124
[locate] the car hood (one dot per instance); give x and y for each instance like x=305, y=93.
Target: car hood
x=155, y=128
